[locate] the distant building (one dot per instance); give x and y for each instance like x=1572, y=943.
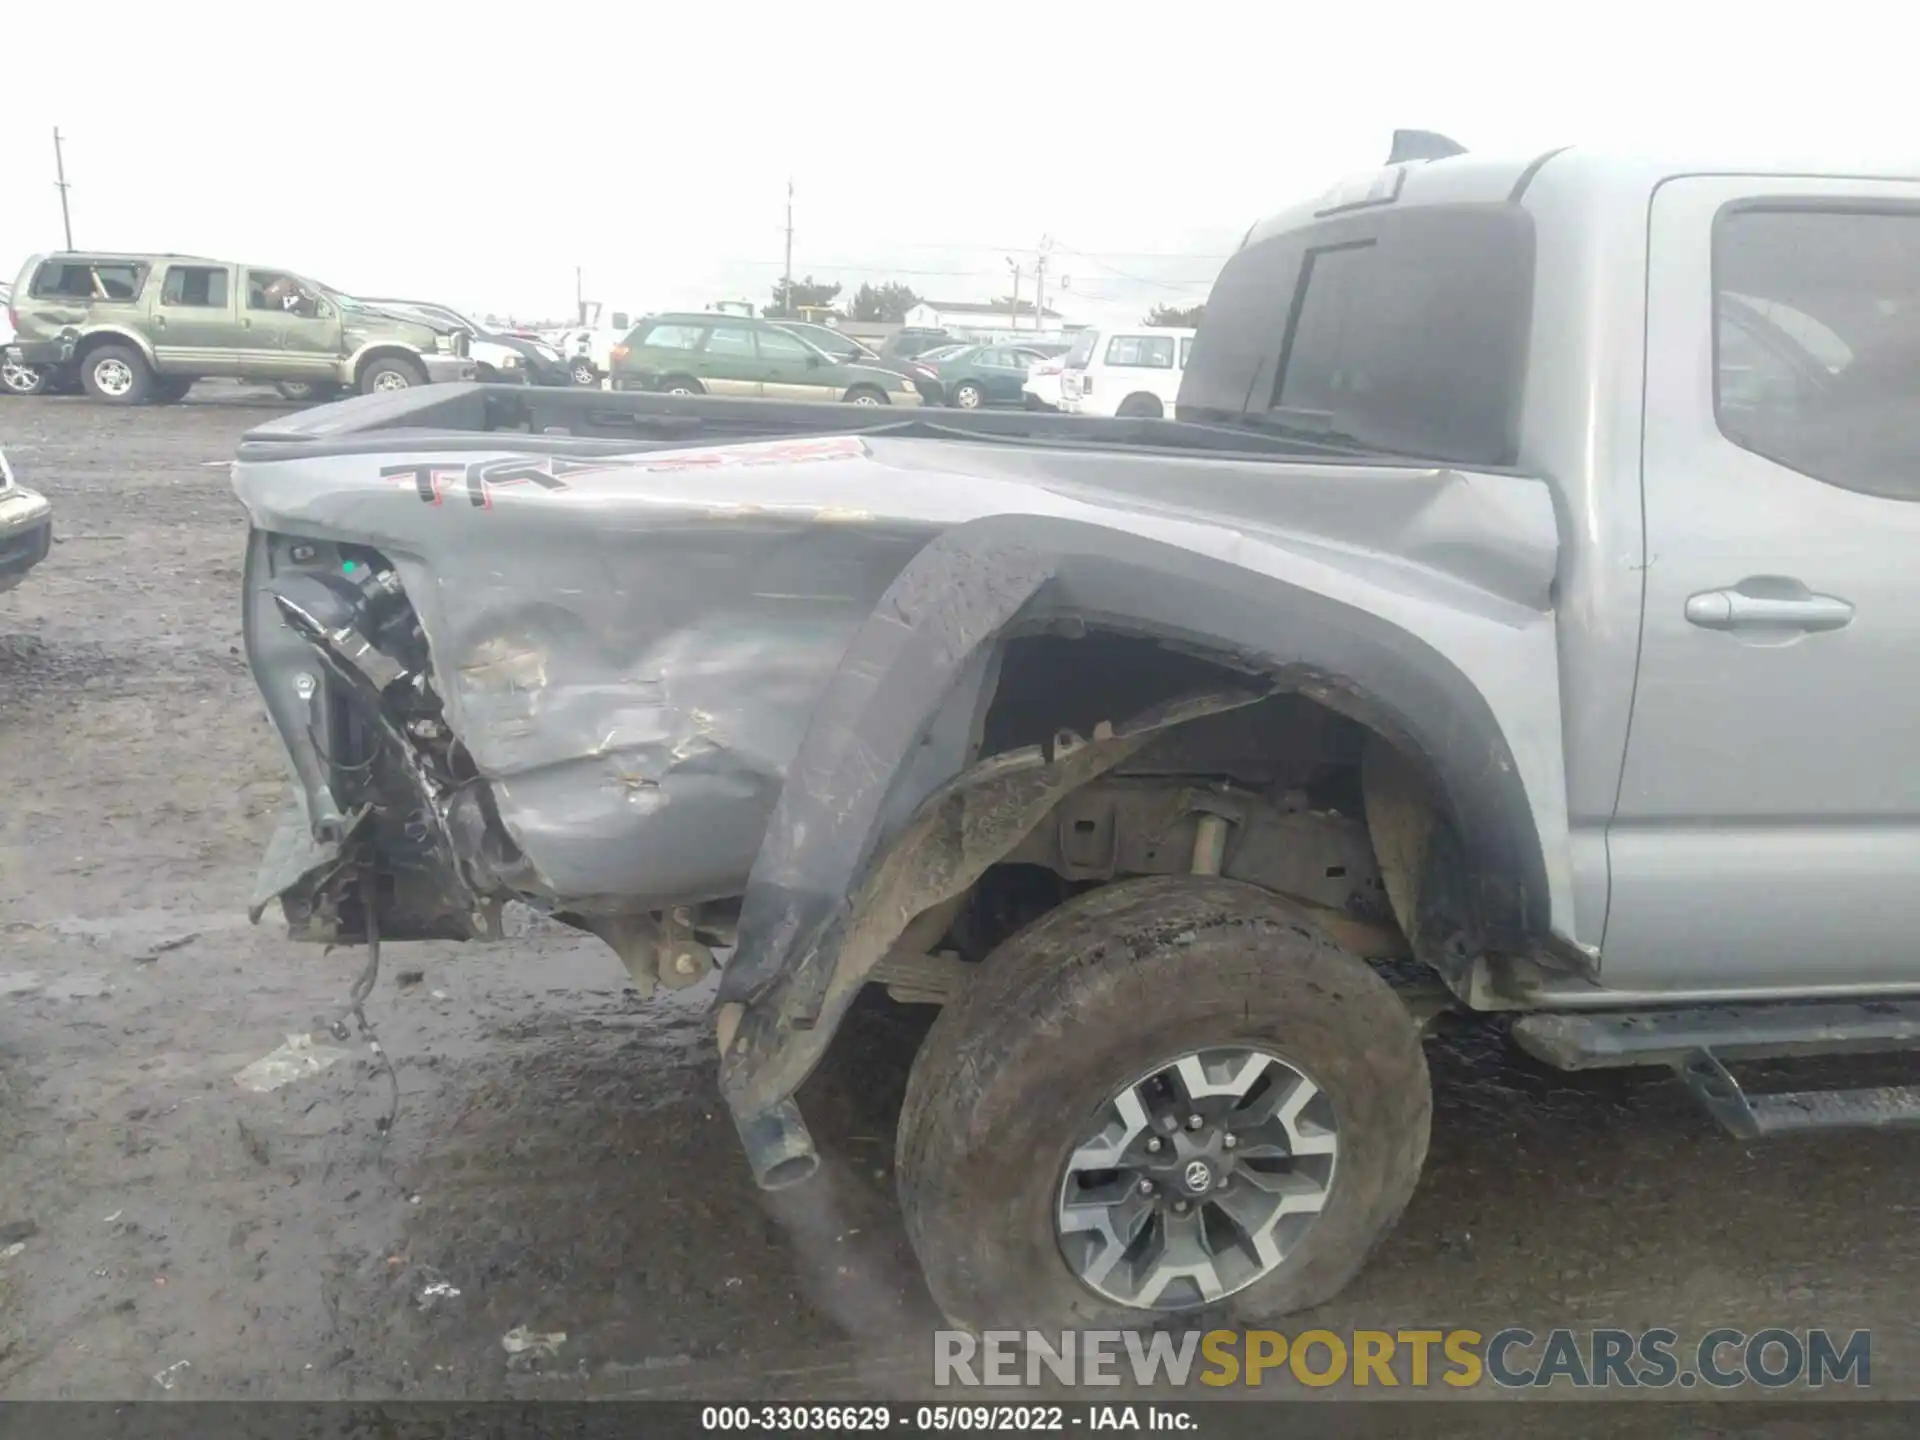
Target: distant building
x=968, y=317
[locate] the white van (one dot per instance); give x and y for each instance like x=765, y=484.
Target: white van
x=1135, y=373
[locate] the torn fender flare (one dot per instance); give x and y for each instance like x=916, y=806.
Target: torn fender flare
x=821, y=906
x=955, y=836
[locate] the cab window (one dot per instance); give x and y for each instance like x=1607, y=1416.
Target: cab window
x=1817, y=321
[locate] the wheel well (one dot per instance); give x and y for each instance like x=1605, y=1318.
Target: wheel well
x=384, y=352
x=1319, y=804
x=866, y=387
x=90, y=343
x=1147, y=397
x=667, y=382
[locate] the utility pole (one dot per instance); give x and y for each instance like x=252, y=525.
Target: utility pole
x=786, y=297
x=1014, y=265
x=579, y=298
x=1040, y=282
x=60, y=184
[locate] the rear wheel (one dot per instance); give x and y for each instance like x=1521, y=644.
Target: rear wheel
x=969, y=396
x=1140, y=407
x=582, y=372
x=117, y=375
x=681, y=385
x=1169, y=1095
x=865, y=395
x=395, y=373
x=169, y=389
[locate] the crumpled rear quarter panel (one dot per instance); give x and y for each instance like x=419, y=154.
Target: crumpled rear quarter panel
x=631, y=649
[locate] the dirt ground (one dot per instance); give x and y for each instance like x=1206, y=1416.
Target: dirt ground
x=560, y=1164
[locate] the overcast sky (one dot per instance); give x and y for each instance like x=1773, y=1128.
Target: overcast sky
x=475, y=154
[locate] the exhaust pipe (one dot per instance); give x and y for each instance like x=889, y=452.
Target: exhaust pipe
x=779, y=1150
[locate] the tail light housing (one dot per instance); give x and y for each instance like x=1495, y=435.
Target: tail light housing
x=619, y=353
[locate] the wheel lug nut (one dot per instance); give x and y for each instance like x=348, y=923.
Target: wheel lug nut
x=1155, y=1145
x=1229, y=1141
x=1180, y=1206
x=1146, y=1187
x=1193, y=1122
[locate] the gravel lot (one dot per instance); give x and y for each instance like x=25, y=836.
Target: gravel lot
x=560, y=1162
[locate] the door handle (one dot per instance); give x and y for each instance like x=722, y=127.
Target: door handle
x=159, y=322
x=1735, y=610
x=245, y=324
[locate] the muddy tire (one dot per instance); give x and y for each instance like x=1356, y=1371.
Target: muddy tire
x=1018, y=1072
x=116, y=375
x=394, y=373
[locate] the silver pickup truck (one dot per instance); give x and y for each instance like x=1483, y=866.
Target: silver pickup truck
x=1517, y=615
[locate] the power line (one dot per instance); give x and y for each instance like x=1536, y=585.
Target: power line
x=880, y=267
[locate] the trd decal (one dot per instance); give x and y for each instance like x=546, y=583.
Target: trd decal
x=431, y=481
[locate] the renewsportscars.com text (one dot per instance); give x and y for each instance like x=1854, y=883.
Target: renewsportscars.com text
x=1512, y=1358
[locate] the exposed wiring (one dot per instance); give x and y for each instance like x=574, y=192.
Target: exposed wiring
x=356, y=1005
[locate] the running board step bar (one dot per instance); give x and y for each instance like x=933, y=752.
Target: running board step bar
x=1697, y=1042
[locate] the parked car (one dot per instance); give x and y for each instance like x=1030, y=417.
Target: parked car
x=1463, y=642
x=973, y=376
x=911, y=341
x=137, y=327
x=498, y=355
x=26, y=528
x=1134, y=373
x=849, y=351
x=703, y=353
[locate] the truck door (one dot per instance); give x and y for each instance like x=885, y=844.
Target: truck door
x=1768, y=826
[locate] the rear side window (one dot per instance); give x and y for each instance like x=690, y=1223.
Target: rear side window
x=675, y=337
x=1186, y=349
x=1817, y=319
x=91, y=280
x=731, y=341
x=1081, y=351
x=1149, y=352
x=1405, y=331
x=195, y=285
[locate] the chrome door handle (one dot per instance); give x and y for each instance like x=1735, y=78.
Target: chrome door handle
x=1734, y=610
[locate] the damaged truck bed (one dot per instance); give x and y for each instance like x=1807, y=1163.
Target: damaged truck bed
x=627, y=660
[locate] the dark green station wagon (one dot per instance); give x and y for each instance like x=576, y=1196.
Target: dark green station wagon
x=704, y=353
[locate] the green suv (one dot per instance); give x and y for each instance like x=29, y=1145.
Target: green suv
x=145, y=327
x=714, y=354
